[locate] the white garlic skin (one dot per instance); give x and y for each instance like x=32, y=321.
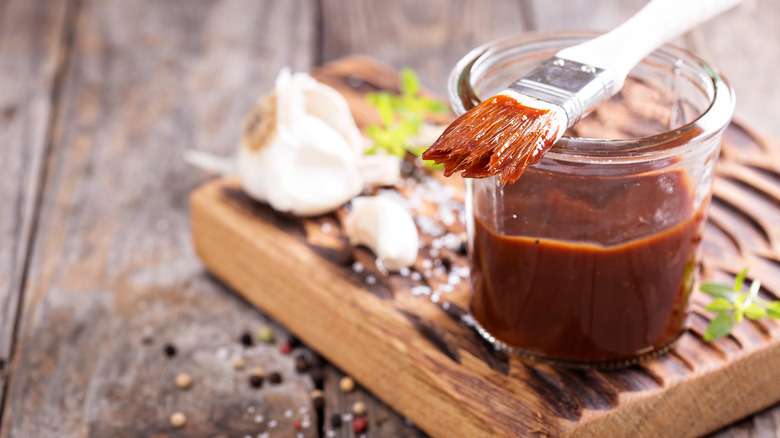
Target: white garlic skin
x=386, y=228
x=305, y=160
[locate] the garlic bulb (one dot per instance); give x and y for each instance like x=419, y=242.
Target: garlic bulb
x=300, y=148
x=386, y=228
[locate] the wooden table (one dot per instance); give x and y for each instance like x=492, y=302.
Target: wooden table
x=98, y=100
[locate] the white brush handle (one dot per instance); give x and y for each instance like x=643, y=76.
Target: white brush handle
x=619, y=50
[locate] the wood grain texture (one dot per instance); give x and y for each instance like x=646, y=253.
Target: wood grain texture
x=426, y=36
x=412, y=352
x=31, y=52
x=113, y=276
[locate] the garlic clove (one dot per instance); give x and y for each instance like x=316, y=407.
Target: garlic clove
x=386, y=228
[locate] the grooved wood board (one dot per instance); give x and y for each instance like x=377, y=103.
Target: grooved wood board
x=413, y=351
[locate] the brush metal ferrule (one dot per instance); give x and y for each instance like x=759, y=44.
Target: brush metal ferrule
x=574, y=86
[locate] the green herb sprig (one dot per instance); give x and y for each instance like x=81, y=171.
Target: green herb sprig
x=401, y=115
x=731, y=305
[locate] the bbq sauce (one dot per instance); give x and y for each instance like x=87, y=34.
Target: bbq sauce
x=599, y=271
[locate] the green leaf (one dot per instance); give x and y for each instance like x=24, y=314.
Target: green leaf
x=754, y=311
x=740, y=280
x=719, y=327
x=718, y=290
x=739, y=307
x=410, y=83
x=773, y=309
x=720, y=305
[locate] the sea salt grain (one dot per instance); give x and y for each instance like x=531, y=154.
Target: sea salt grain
x=404, y=271
x=259, y=419
x=358, y=267
x=420, y=290
x=326, y=227
x=272, y=424
x=288, y=413
x=370, y=279
x=416, y=276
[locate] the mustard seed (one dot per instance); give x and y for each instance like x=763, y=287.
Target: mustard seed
x=183, y=380
x=178, y=420
x=258, y=371
x=347, y=384
x=359, y=408
x=317, y=399
x=239, y=363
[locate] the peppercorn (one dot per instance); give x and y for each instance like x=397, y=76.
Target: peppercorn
x=317, y=377
x=335, y=420
x=275, y=378
x=246, y=339
x=446, y=263
x=169, y=350
x=266, y=335
x=347, y=384
x=255, y=381
x=463, y=248
x=359, y=425
x=301, y=364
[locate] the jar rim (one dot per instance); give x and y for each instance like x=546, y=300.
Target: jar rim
x=710, y=122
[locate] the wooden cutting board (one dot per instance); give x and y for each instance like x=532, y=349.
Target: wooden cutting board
x=403, y=336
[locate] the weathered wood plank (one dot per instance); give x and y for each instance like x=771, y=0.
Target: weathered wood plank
x=113, y=276
x=426, y=36
x=31, y=46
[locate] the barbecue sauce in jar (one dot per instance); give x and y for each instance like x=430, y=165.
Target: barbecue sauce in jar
x=597, y=272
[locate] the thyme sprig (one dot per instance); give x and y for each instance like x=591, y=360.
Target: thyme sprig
x=731, y=304
x=401, y=116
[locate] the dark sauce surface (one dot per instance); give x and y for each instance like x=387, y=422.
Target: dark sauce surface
x=598, y=271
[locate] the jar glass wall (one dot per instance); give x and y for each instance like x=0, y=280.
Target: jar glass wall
x=589, y=258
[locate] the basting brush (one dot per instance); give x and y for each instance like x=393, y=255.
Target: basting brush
x=510, y=131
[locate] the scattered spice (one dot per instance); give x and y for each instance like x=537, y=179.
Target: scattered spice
x=301, y=364
x=255, y=381
x=258, y=371
x=359, y=425
x=347, y=384
x=359, y=408
x=285, y=348
x=275, y=378
x=246, y=339
x=239, y=363
x=178, y=420
x=317, y=377
x=169, y=350
x=298, y=425
x=335, y=420
x=183, y=380
x=266, y=335
x=463, y=248
x=317, y=399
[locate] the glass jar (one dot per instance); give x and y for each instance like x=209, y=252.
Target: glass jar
x=589, y=259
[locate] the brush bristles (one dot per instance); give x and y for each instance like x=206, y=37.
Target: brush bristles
x=500, y=136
